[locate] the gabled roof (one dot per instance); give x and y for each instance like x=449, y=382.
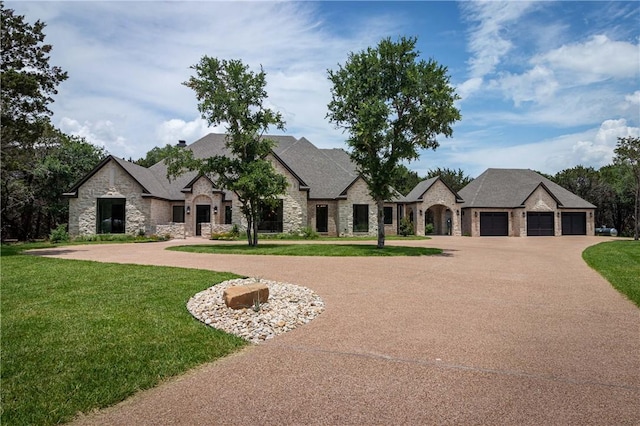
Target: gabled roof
x=510, y=188
x=149, y=182
x=422, y=187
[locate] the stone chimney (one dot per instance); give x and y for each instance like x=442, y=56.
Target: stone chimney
x=182, y=143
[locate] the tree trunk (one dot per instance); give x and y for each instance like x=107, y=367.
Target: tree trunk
x=380, y=205
x=249, y=228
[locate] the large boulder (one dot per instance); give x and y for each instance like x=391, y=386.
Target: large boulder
x=245, y=296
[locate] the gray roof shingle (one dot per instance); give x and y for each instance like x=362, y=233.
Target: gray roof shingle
x=510, y=188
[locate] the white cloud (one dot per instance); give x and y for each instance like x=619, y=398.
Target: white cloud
x=102, y=133
x=596, y=59
x=537, y=85
x=593, y=147
x=171, y=131
x=488, y=43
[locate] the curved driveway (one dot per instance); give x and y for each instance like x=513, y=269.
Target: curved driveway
x=496, y=331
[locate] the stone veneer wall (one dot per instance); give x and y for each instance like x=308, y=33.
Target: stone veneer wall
x=358, y=193
x=175, y=230
x=294, y=201
x=111, y=181
x=439, y=194
x=332, y=207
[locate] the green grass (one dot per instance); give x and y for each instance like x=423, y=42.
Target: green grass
x=297, y=237
x=619, y=263
x=310, y=250
x=80, y=335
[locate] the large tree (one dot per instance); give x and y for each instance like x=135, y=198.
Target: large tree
x=228, y=92
x=456, y=179
x=392, y=104
x=154, y=156
x=627, y=153
x=28, y=84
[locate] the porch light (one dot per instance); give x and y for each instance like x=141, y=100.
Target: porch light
x=475, y=214
x=188, y=209
x=215, y=209
x=457, y=212
x=420, y=212
x=558, y=214
x=524, y=214
x=590, y=214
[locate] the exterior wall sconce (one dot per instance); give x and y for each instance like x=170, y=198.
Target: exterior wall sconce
x=188, y=209
x=558, y=214
x=457, y=212
x=524, y=214
x=215, y=209
x=420, y=212
x=475, y=214
x=511, y=214
x=590, y=214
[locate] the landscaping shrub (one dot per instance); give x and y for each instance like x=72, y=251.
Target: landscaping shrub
x=406, y=227
x=59, y=234
x=428, y=229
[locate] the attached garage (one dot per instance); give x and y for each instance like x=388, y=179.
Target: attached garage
x=494, y=224
x=574, y=223
x=540, y=224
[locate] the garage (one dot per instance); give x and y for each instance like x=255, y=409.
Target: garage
x=494, y=224
x=540, y=224
x=574, y=223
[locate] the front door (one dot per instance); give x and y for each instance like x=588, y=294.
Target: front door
x=203, y=215
x=322, y=218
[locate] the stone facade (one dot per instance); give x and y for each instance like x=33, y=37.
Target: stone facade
x=175, y=230
x=439, y=207
x=358, y=193
x=110, y=182
x=294, y=201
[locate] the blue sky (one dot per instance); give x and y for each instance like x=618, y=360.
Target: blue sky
x=544, y=85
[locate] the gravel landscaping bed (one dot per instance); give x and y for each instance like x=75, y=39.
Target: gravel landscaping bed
x=288, y=307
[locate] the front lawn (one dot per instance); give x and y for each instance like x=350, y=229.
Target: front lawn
x=310, y=250
x=619, y=263
x=79, y=335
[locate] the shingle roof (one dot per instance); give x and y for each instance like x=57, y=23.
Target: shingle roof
x=326, y=172
x=510, y=188
x=418, y=191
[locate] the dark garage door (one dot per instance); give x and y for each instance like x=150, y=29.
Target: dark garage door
x=494, y=224
x=540, y=224
x=574, y=223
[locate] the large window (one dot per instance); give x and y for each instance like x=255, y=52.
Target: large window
x=227, y=215
x=110, y=216
x=360, y=218
x=270, y=217
x=178, y=214
x=388, y=215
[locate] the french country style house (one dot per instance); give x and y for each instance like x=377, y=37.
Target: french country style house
x=325, y=193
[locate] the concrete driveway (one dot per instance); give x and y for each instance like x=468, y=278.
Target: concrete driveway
x=496, y=331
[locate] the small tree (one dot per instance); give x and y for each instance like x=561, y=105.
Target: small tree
x=392, y=104
x=627, y=152
x=456, y=179
x=228, y=92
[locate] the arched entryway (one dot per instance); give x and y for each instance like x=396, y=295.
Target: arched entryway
x=438, y=220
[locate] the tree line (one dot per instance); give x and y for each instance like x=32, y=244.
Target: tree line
x=39, y=162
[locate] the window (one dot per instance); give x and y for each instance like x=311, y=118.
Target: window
x=270, y=219
x=110, y=216
x=388, y=215
x=178, y=214
x=360, y=218
x=227, y=215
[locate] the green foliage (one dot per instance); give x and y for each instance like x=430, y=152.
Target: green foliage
x=627, y=154
x=428, y=228
x=406, y=227
x=154, y=156
x=404, y=180
x=456, y=179
x=28, y=84
x=78, y=335
x=228, y=92
x=392, y=105
x=59, y=234
x=619, y=263
x=337, y=250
